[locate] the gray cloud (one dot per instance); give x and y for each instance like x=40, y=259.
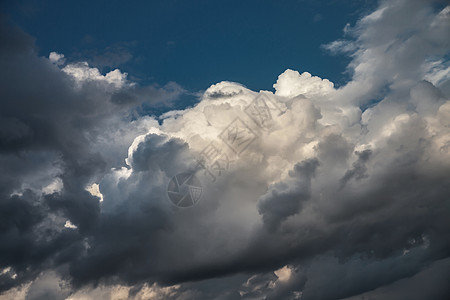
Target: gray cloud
x=286, y=199
x=52, y=130
x=359, y=169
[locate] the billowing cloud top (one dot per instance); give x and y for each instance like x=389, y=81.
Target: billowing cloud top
x=308, y=192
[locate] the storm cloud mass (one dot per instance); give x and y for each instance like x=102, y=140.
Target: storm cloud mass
x=338, y=193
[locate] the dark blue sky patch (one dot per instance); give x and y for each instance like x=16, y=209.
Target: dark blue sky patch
x=194, y=43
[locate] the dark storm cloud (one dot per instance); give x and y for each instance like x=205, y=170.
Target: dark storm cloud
x=31, y=111
x=124, y=243
x=48, y=130
x=286, y=199
x=430, y=283
x=359, y=167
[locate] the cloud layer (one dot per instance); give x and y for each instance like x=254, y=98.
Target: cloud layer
x=310, y=192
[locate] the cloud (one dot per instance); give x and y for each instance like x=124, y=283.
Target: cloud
x=48, y=156
x=425, y=284
x=285, y=199
x=351, y=180
x=56, y=58
x=81, y=72
x=291, y=84
x=359, y=169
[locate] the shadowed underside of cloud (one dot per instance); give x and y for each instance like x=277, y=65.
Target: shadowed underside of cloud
x=310, y=192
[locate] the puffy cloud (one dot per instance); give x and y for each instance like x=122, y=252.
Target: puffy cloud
x=81, y=72
x=50, y=143
x=56, y=58
x=352, y=180
x=291, y=84
x=285, y=198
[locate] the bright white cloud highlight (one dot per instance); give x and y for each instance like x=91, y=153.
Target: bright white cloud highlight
x=81, y=72
x=95, y=191
x=292, y=83
x=56, y=58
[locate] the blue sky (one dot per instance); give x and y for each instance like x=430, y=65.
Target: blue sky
x=194, y=43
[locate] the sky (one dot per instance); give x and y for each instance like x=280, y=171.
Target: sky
x=224, y=150
x=193, y=43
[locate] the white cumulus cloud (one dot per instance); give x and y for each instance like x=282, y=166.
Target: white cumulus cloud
x=81, y=72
